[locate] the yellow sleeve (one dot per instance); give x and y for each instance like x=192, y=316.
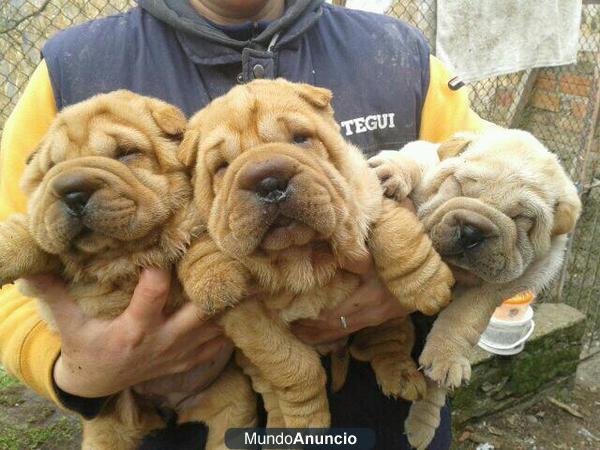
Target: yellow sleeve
x=445, y=111
x=28, y=349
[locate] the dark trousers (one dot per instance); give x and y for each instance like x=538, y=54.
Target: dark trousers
x=359, y=404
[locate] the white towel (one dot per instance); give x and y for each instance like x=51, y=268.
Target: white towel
x=376, y=6
x=485, y=38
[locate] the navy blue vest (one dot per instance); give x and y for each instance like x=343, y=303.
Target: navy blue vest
x=376, y=66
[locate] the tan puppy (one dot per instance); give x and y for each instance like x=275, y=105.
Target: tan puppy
x=108, y=197
x=498, y=208
x=287, y=202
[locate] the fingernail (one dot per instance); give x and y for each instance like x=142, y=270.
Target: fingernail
x=152, y=272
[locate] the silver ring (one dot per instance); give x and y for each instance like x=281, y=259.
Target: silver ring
x=343, y=322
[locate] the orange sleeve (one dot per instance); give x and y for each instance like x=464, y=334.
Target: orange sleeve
x=28, y=349
x=446, y=111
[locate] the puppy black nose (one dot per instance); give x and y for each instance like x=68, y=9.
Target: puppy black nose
x=470, y=236
x=76, y=201
x=273, y=189
x=75, y=192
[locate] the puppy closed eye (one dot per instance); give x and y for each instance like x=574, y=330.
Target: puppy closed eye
x=301, y=140
x=221, y=168
x=126, y=155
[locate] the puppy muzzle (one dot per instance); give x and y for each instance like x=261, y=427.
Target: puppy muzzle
x=85, y=196
x=272, y=198
x=473, y=236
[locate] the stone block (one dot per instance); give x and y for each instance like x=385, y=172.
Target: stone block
x=575, y=85
x=545, y=100
x=551, y=354
x=546, y=84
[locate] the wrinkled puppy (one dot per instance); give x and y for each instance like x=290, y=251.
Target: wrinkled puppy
x=287, y=202
x=108, y=197
x=498, y=208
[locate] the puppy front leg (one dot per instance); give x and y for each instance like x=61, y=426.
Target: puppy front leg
x=455, y=332
x=19, y=253
x=424, y=416
x=227, y=403
x=407, y=262
x=291, y=367
x=387, y=348
x=121, y=425
x=210, y=278
x=265, y=389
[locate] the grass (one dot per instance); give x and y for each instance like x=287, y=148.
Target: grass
x=58, y=435
x=29, y=422
x=6, y=380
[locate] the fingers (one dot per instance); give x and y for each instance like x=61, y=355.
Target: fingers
x=209, y=350
x=325, y=332
x=332, y=329
x=150, y=296
x=318, y=336
x=53, y=292
x=372, y=317
x=209, y=353
x=370, y=294
x=369, y=306
x=187, y=318
x=361, y=266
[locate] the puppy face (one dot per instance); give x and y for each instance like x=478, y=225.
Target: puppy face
x=276, y=183
x=106, y=176
x=497, y=207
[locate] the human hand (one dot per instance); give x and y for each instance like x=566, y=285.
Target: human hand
x=370, y=305
x=101, y=357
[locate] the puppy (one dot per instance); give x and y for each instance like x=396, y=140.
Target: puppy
x=498, y=208
x=287, y=202
x=108, y=197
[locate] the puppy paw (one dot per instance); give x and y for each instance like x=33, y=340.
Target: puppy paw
x=221, y=287
x=404, y=382
x=395, y=175
x=20, y=255
x=419, y=434
x=447, y=370
x=319, y=419
x=437, y=293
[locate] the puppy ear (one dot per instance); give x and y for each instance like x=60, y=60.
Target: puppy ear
x=453, y=147
x=36, y=166
x=566, y=213
x=188, y=149
x=169, y=118
x=316, y=96
x=31, y=156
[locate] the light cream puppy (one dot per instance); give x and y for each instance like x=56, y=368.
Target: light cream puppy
x=498, y=207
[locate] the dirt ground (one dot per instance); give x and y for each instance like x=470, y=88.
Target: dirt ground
x=28, y=422
x=543, y=424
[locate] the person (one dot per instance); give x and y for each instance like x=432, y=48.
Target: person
x=388, y=90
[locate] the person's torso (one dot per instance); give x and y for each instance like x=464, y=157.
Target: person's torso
x=377, y=68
